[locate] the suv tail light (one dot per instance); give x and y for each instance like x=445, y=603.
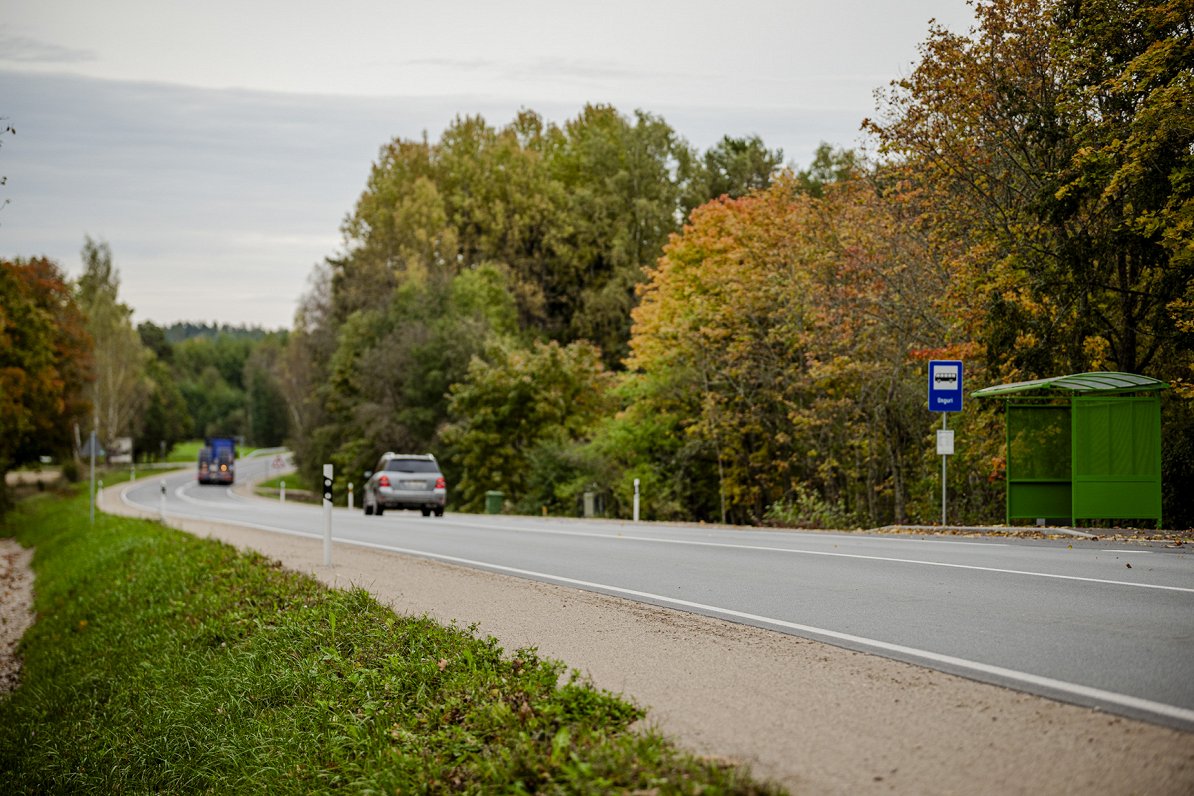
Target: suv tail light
x=383, y=481
x=440, y=483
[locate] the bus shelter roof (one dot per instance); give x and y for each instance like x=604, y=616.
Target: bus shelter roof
x=1097, y=383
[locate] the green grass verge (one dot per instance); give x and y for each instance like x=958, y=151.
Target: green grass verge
x=188, y=451
x=163, y=662
x=185, y=451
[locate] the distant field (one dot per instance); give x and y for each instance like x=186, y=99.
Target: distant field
x=189, y=451
x=186, y=451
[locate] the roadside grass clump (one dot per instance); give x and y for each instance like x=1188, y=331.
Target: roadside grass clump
x=163, y=662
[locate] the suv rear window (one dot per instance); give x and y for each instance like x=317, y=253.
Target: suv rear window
x=412, y=466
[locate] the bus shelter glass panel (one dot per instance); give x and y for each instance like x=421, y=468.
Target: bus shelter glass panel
x=1039, y=458
x=1117, y=458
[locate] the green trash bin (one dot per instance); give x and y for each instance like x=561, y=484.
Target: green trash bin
x=493, y=502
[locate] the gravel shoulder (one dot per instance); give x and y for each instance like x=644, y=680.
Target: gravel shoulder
x=811, y=716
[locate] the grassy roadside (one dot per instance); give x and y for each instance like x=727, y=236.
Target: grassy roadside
x=164, y=662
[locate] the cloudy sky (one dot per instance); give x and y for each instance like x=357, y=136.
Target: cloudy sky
x=217, y=146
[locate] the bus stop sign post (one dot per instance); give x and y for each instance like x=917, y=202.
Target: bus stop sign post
x=945, y=396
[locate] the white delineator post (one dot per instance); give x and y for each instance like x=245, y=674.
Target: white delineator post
x=327, y=515
x=636, y=500
x=282, y=492
x=162, y=500
x=350, y=495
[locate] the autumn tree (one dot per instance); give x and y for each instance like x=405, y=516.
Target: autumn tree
x=45, y=363
x=1057, y=138
x=776, y=350
x=1055, y=143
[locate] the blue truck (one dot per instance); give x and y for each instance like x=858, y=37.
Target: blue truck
x=217, y=461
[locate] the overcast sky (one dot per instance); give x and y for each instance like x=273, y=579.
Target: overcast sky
x=217, y=146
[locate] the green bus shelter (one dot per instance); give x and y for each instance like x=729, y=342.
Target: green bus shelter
x=1083, y=447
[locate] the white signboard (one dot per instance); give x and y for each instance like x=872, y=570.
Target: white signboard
x=945, y=442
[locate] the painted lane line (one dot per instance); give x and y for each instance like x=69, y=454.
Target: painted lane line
x=859, y=556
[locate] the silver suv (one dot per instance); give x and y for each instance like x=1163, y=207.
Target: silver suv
x=405, y=481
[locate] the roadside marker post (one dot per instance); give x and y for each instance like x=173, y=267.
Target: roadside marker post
x=350, y=495
x=162, y=501
x=636, y=500
x=327, y=515
x=945, y=396
x=282, y=492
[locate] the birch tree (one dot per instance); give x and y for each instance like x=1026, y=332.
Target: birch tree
x=122, y=385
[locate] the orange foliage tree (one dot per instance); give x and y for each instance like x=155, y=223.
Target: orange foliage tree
x=784, y=333
x=45, y=362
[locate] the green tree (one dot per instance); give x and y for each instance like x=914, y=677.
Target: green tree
x=733, y=167
x=165, y=421
x=829, y=166
x=45, y=364
x=268, y=420
x=154, y=338
x=513, y=405
x=210, y=371
x=623, y=203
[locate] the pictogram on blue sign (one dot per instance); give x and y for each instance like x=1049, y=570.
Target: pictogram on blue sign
x=945, y=385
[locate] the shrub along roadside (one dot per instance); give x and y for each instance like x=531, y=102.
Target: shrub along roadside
x=164, y=662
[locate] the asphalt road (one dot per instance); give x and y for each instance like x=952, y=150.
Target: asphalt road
x=1105, y=625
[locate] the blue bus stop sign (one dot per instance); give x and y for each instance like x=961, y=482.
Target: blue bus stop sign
x=945, y=385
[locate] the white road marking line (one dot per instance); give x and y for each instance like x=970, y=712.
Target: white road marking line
x=860, y=556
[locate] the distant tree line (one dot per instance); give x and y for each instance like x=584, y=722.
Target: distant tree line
x=71, y=362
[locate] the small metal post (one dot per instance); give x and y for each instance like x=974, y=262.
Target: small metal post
x=162, y=500
x=93, y=476
x=636, y=500
x=327, y=515
x=944, y=426
x=282, y=492
x=350, y=495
